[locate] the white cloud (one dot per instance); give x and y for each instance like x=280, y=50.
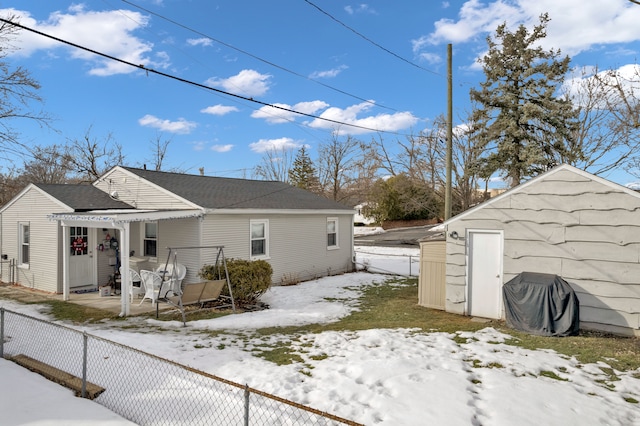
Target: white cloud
x=360, y=8
x=246, y=83
x=181, y=126
x=276, y=115
x=328, y=73
x=380, y=122
x=203, y=41
x=109, y=32
x=264, y=145
x=219, y=109
x=222, y=148
x=575, y=25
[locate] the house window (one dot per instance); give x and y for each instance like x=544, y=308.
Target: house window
x=24, y=244
x=259, y=239
x=150, y=239
x=332, y=232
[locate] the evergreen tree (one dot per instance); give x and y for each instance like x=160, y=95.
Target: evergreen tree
x=303, y=174
x=524, y=128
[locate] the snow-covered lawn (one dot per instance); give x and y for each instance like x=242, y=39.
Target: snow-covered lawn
x=377, y=376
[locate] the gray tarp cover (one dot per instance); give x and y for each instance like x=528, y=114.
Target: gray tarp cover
x=542, y=304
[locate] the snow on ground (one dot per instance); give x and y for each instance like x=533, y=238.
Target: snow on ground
x=377, y=376
x=367, y=230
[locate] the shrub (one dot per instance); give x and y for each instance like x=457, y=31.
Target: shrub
x=249, y=279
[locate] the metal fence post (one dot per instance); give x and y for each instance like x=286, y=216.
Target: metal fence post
x=246, y=405
x=1, y=332
x=84, y=364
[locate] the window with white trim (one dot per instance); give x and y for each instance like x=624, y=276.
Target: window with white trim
x=150, y=239
x=259, y=239
x=25, y=237
x=332, y=232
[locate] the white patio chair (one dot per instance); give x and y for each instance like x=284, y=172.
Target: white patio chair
x=174, y=275
x=151, y=282
x=134, y=277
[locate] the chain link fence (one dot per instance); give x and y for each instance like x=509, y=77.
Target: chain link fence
x=144, y=388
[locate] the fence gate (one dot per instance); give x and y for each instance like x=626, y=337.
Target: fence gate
x=432, y=280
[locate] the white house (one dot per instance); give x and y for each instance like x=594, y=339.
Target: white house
x=60, y=238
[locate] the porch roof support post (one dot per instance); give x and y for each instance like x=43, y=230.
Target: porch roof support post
x=65, y=263
x=125, y=279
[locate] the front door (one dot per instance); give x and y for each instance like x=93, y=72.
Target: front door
x=485, y=274
x=80, y=256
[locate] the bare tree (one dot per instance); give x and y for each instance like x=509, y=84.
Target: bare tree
x=275, y=165
x=336, y=164
x=18, y=94
x=608, y=135
x=90, y=158
x=49, y=165
x=159, y=149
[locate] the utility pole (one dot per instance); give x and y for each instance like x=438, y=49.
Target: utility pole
x=447, y=189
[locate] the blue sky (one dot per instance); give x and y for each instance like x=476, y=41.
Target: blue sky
x=288, y=53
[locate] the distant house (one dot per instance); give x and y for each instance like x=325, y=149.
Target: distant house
x=565, y=222
x=60, y=238
x=360, y=218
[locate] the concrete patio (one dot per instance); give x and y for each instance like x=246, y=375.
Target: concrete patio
x=91, y=299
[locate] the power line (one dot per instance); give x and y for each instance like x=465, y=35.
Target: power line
x=254, y=56
x=369, y=40
x=193, y=83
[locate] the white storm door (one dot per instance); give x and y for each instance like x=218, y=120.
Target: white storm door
x=485, y=274
x=80, y=246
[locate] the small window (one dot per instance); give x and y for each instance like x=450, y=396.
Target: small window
x=24, y=243
x=259, y=239
x=332, y=232
x=150, y=239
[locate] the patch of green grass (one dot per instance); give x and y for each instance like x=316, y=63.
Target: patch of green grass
x=553, y=375
x=631, y=400
x=281, y=355
x=476, y=363
x=78, y=314
x=319, y=357
x=621, y=353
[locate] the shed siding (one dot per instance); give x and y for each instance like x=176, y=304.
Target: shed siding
x=44, y=269
x=580, y=229
x=138, y=192
x=297, y=243
x=431, y=283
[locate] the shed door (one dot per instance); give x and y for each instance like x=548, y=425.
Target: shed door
x=81, y=256
x=485, y=274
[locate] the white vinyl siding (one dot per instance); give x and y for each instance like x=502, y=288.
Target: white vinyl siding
x=139, y=193
x=44, y=271
x=297, y=243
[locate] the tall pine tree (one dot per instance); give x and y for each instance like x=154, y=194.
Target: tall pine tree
x=303, y=174
x=524, y=128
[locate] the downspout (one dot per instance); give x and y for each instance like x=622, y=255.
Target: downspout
x=353, y=246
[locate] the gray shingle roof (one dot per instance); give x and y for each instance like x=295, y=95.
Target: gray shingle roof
x=229, y=193
x=82, y=197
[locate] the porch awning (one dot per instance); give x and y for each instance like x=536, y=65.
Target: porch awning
x=100, y=218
